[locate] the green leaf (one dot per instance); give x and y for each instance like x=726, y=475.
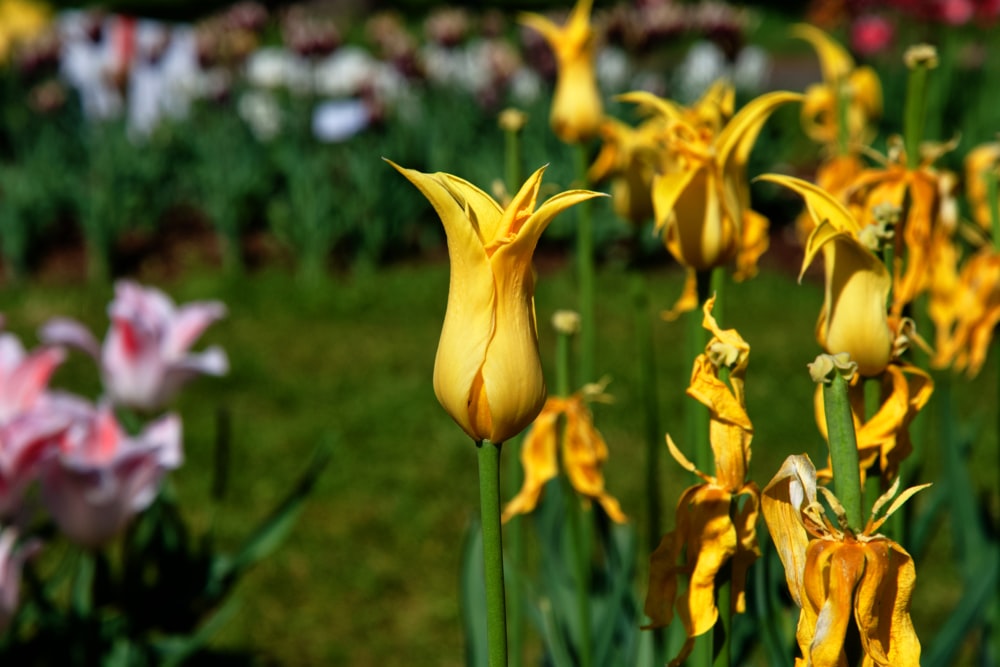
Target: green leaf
x=969, y=613
x=273, y=531
x=473, y=597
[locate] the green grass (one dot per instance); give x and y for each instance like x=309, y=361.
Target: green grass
x=370, y=574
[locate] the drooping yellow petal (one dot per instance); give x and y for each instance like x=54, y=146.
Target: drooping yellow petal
x=882, y=606
x=688, y=299
x=782, y=500
x=747, y=549
x=978, y=162
x=710, y=539
x=584, y=453
x=756, y=240
x=833, y=570
x=539, y=455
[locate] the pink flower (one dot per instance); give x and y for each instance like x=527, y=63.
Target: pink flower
x=871, y=34
x=955, y=12
x=27, y=427
x=100, y=477
x=144, y=359
x=12, y=557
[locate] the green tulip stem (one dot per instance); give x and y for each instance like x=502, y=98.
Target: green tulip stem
x=697, y=416
x=645, y=359
x=843, y=450
x=512, y=160
x=993, y=204
x=585, y=269
x=915, y=113
x=579, y=518
x=723, y=645
x=843, y=132
x=489, y=505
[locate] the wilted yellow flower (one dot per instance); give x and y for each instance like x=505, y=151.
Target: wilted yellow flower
x=923, y=196
x=713, y=527
x=854, y=317
x=967, y=312
x=487, y=373
x=979, y=161
x=883, y=437
x=834, y=574
x=584, y=452
x=628, y=156
x=860, y=87
x=577, y=109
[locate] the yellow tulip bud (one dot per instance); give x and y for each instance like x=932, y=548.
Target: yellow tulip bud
x=487, y=373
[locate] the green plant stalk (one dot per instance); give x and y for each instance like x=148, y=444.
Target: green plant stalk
x=645, y=357
x=515, y=552
x=578, y=517
x=843, y=450
x=512, y=160
x=696, y=414
x=843, y=135
x=721, y=639
x=489, y=507
x=697, y=419
x=993, y=205
x=915, y=114
x=585, y=271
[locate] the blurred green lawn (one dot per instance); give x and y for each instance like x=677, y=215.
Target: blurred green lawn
x=370, y=574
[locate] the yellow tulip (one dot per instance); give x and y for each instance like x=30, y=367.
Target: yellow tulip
x=577, y=109
x=980, y=160
x=924, y=194
x=20, y=21
x=487, y=373
x=834, y=574
x=584, y=453
x=702, y=204
x=821, y=114
x=712, y=528
x=854, y=317
x=967, y=314
x=835, y=174
x=628, y=156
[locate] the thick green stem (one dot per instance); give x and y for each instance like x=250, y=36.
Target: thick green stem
x=579, y=518
x=696, y=414
x=648, y=395
x=723, y=645
x=516, y=556
x=697, y=417
x=489, y=502
x=993, y=205
x=915, y=114
x=843, y=131
x=585, y=270
x=843, y=450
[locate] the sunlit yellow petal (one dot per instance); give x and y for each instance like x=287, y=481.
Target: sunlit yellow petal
x=835, y=62
x=882, y=607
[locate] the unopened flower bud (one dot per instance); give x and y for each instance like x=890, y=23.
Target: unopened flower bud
x=921, y=55
x=823, y=369
x=512, y=120
x=566, y=322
